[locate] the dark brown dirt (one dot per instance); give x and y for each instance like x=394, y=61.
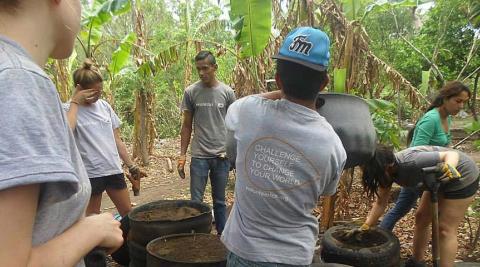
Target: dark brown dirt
x=167, y=214
x=191, y=249
x=366, y=239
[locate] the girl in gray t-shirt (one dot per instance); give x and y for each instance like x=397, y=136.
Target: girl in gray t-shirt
x=43, y=184
x=458, y=174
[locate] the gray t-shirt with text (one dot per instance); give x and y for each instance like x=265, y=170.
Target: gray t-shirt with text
x=37, y=146
x=95, y=138
x=287, y=157
x=208, y=107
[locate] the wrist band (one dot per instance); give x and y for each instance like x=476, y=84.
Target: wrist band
x=74, y=102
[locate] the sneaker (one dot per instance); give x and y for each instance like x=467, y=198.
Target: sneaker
x=411, y=262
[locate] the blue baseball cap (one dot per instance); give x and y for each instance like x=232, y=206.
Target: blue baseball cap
x=306, y=46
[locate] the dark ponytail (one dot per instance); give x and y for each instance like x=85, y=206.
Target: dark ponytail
x=449, y=90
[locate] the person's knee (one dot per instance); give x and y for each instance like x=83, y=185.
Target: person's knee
x=446, y=231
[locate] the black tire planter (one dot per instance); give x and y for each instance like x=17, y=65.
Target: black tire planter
x=143, y=231
x=384, y=251
x=179, y=254
x=351, y=120
x=121, y=255
x=137, y=255
x=96, y=258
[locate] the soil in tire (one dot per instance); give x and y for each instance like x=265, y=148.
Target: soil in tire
x=191, y=249
x=167, y=214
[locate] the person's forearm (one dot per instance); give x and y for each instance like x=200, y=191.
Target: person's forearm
x=72, y=115
x=378, y=207
x=123, y=153
x=185, y=135
x=68, y=248
x=274, y=95
x=375, y=213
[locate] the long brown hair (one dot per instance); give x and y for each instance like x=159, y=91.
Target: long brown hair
x=449, y=90
x=373, y=172
x=87, y=75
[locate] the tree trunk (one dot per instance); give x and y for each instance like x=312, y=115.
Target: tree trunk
x=140, y=149
x=474, y=97
x=62, y=78
x=144, y=128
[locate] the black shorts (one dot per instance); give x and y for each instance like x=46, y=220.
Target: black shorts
x=465, y=192
x=100, y=184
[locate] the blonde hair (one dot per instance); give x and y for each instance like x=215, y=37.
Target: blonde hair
x=87, y=75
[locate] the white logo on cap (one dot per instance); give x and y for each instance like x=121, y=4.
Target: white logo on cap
x=301, y=45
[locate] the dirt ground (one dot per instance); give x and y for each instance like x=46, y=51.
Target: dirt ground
x=163, y=184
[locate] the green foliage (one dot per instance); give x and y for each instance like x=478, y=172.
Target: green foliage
x=385, y=121
x=445, y=28
x=473, y=127
x=121, y=56
x=385, y=5
x=339, y=80
x=252, y=23
x=95, y=16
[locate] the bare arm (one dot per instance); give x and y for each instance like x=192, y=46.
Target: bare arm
x=379, y=206
x=186, y=132
x=72, y=115
x=67, y=249
x=122, y=148
x=274, y=95
x=450, y=157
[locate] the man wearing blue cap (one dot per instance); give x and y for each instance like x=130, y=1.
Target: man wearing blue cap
x=287, y=157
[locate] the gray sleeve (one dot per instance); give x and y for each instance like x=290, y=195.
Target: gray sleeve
x=34, y=146
x=233, y=115
x=187, y=103
x=231, y=97
x=114, y=117
x=426, y=159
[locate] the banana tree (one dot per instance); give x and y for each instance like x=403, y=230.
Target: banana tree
x=252, y=22
x=94, y=16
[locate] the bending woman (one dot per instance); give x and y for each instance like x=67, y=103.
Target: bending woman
x=404, y=168
x=433, y=129
x=96, y=128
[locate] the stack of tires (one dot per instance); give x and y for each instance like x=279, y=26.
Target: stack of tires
x=143, y=230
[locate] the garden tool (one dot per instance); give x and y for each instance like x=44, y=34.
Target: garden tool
x=433, y=177
x=135, y=173
x=432, y=184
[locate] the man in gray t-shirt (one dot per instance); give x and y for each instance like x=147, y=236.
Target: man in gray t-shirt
x=204, y=107
x=287, y=157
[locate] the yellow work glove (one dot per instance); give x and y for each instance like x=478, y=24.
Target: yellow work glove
x=449, y=172
x=364, y=227
x=356, y=233
x=181, y=166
